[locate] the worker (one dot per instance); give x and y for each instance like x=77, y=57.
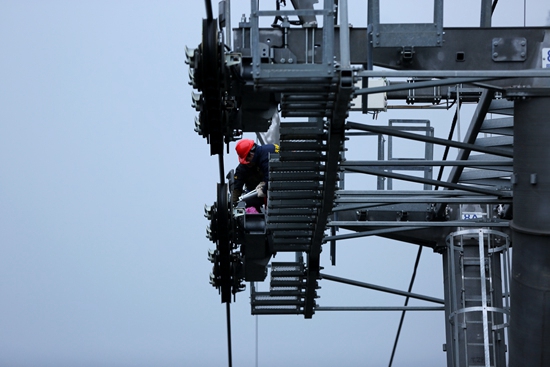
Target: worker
x=246, y=178
x=253, y=168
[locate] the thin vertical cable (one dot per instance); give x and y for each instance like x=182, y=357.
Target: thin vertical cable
x=256, y=340
x=417, y=261
x=494, y=6
x=208, y=5
x=228, y=315
x=447, y=148
x=222, y=168
x=253, y=290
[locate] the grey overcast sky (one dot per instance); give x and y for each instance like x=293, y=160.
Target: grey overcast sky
x=102, y=188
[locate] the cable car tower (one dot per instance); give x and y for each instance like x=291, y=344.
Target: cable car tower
x=312, y=68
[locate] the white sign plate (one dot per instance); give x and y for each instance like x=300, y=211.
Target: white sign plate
x=546, y=58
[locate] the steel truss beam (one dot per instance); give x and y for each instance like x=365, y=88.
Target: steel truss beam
x=380, y=308
x=416, y=179
x=428, y=139
x=381, y=289
x=451, y=223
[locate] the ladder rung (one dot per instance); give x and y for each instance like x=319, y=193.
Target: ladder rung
x=290, y=211
x=295, y=176
x=292, y=125
x=290, y=248
x=302, y=166
x=277, y=302
x=477, y=322
x=286, y=273
x=291, y=146
x=277, y=311
x=292, y=186
x=479, y=344
x=291, y=234
x=287, y=283
x=292, y=241
x=290, y=219
x=302, y=156
x=287, y=265
x=287, y=292
x=299, y=129
x=289, y=226
x=294, y=195
x=295, y=204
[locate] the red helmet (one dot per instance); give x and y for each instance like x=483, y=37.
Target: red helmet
x=243, y=147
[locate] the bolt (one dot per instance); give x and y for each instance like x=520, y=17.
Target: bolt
x=290, y=60
x=282, y=60
x=495, y=44
x=523, y=54
x=495, y=54
x=523, y=43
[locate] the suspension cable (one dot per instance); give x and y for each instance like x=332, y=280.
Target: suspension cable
x=449, y=137
x=222, y=169
x=228, y=314
x=417, y=261
x=208, y=5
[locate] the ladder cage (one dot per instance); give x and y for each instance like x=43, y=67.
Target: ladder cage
x=479, y=310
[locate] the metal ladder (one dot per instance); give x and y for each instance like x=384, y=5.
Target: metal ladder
x=296, y=182
x=479, y=309
x=294, y=198
x=286, y=294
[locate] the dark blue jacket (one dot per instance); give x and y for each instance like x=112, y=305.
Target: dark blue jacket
x=247, y=175
x=261, y=159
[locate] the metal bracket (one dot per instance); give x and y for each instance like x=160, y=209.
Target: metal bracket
x=509, y=49
x=406, y=34
x=407, y=54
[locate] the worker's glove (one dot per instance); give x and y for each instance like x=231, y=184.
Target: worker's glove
x=235, y=194
x=260, y=189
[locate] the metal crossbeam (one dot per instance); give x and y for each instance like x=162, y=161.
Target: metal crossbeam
x=381, y=289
